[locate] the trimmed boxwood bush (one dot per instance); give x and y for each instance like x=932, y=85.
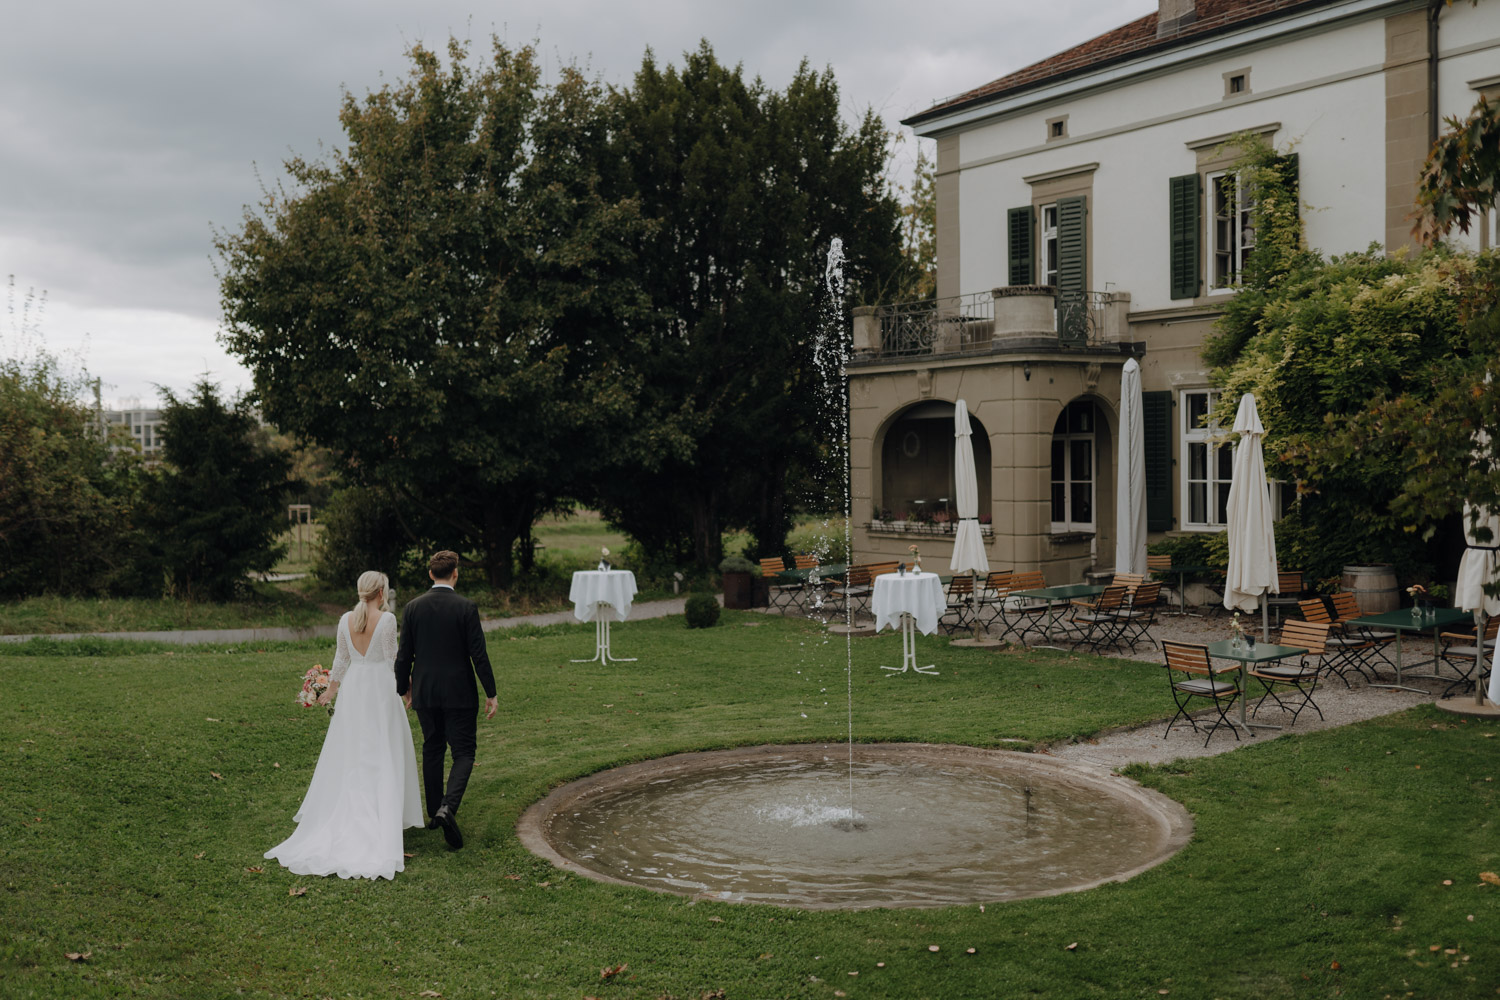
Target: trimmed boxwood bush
x=702, y=611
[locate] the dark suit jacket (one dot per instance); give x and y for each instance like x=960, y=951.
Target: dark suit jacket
x=441, y=638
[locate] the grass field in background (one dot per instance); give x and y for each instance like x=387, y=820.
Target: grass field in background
x=567, y=544
x=142, y=783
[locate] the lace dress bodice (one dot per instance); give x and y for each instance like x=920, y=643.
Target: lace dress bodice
x=382, y=649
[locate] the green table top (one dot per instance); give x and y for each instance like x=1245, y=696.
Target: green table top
x=1262, y=652
x=1174, y=568
x=1063, y=592
x=1401, y=619
x=824, y=572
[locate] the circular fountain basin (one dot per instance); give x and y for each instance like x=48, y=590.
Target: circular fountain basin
x=909, y=824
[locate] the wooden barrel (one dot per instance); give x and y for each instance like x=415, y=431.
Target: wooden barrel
x=1373, y=586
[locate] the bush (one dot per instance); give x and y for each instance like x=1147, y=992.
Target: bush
x=737, y=564
x=702, y=611
x=361, y=531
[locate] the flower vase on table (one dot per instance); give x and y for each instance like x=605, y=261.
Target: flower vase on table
x=916, y=559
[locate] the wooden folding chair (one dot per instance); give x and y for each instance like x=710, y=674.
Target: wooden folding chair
x=854, y=590
x=1191, y=675
x=960, y=610
x=1139, y=614
x=1101, y=623
x=1342, y=653
x=782, y=594
x=993, y=596
x=1461, y=651
x=1291, y=589
x=1019, y=615
x=1345, y=610
x=1301, y=676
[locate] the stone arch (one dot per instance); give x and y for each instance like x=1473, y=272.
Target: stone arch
x=912, y=461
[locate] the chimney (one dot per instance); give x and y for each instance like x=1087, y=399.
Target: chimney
x=1174, y=15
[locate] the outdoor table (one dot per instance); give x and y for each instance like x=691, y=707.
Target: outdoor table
x=598, y=596
x=1261, y=652
x=1402, y=621
x=1182, y=572
x=1058, y=597
x=915, y=601
x=827, y=575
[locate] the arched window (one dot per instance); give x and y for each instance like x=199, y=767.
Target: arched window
x=917, y=482
x=1073, y=467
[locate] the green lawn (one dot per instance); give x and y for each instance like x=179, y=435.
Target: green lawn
x=141, y=784
x=268, y=607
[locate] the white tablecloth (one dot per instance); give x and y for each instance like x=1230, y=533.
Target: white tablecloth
x=917, y=594
x=592, y=587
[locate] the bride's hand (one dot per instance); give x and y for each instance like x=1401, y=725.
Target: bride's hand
x=328, y=694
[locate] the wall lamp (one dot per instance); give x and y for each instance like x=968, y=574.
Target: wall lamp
x=1026, y=370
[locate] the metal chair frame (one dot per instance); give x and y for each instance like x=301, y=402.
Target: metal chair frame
x=1294, y=632
x=1192, y=660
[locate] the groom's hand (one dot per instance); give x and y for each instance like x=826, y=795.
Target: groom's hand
x=407, y=699
x=490, y=705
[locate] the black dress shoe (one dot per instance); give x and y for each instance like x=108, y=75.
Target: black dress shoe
x=432, y=823
x=451, y=832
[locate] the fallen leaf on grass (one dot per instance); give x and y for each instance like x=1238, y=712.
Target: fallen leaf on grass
x=78, y=956
x=297, y=891
x=612, y=970
x=1489, y=877
x=216, y=775
x=429, y=993
x=1072, y=947
x=408, y=855
x=1434, y=947
x=514, y=878
x=256, y=870
x=200, y=854
x=968, y=951
x=1335, y=966
x=716, y=920
x=209, y=719
x=933, y=947
x=1447, y=881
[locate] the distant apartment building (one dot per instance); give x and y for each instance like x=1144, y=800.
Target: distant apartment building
x=1087, y=214
x=144, y=427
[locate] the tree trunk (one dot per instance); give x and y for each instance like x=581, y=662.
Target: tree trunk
x=498, y=541
x=708, y=537
x=771, y=524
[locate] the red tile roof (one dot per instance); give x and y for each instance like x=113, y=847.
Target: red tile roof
x=1126, y=42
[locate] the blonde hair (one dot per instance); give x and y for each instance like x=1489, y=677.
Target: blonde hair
x=371, y=582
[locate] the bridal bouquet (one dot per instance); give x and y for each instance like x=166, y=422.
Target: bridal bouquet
x=314, y=683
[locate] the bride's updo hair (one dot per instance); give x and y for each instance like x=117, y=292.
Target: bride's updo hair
x=372, y=584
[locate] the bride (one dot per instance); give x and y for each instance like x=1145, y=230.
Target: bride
x=363, y=792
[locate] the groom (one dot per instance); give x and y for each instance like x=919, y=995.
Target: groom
x=440, y=634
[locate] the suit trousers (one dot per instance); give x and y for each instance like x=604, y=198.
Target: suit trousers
x=442, y=729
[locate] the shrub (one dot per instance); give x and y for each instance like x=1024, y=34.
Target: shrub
x=702, y=611
x=736, y=564
x=361, y=531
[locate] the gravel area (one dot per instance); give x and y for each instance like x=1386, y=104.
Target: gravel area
x=1152, y=745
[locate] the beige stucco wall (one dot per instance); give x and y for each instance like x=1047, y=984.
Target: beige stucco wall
x=1018, y=415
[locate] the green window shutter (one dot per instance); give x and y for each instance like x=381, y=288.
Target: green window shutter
x=1156, y=416
x=1072, y=302
x=1184, y=234
x=1021, y=242
x=1290, y=167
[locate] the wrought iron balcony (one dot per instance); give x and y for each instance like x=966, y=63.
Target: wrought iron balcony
x=1017, y=317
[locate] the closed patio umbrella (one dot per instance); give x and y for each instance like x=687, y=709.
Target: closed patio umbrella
x=968, y=544
x=1130, y=476
x=1252, y=540
x=1480, y=565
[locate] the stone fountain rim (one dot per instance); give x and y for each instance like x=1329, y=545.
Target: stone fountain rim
x=1170, y=816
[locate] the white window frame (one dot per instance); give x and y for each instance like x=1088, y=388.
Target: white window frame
x=1240, y=234
x=1212, y=438
x=1047, y=245
x=1067, y=438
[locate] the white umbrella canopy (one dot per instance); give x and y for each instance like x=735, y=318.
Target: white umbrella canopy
x=1252, y=540
x=1130, y=476
x=1480, y=564
x=968, y=544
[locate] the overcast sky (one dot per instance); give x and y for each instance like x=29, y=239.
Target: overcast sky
x=128, y=131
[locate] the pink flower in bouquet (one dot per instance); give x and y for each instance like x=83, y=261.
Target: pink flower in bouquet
x=314, y=683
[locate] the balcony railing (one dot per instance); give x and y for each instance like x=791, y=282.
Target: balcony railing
x=1017, y=317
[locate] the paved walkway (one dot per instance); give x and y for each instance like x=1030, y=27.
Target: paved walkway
x=646, y=609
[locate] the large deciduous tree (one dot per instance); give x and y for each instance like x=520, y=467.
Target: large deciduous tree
x=443, y=300
x=746, y=187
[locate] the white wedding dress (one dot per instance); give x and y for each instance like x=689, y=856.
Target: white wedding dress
x=363, y=792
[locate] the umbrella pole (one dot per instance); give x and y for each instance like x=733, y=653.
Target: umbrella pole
x=1479, y=656
x=974, y=602
x=1265, y=619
